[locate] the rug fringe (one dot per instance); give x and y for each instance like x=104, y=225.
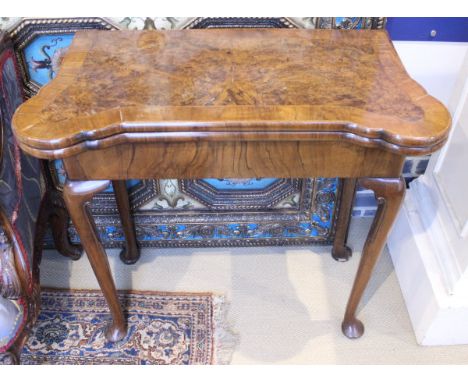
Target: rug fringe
x=224, y=338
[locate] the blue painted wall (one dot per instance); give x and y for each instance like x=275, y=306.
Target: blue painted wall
x=453, y=29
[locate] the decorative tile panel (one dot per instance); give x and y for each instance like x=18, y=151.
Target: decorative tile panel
x=310, y=219
x=43, y=55
x=40, y=44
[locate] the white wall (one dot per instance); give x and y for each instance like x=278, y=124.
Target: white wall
x=428, y=244
x=435, y=65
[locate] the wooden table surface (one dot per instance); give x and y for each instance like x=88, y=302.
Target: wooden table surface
x=190, y=83
x=232, y=103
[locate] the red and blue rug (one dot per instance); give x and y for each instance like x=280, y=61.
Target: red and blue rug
x=163, y=329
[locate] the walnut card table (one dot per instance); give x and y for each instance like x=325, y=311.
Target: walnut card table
x=231, y=103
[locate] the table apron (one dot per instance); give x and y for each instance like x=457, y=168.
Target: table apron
x=244, y=159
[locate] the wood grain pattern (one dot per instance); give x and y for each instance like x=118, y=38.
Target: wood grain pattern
x=119, y=87
x=199, y=159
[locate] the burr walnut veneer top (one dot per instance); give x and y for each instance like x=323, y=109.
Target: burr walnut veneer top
x=231, y=84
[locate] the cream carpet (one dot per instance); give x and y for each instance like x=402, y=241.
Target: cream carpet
x=286, y=303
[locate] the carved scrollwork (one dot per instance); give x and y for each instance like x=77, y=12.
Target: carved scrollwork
x=324, y=199
x=10, y=286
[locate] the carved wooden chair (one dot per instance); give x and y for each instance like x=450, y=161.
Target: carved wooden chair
x=23, y=208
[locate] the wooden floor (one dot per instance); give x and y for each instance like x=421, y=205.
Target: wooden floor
x=286, y=304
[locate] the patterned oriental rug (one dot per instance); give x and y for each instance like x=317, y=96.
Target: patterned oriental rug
x=163, y=328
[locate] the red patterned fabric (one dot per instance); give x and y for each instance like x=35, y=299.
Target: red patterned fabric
x=21, y=185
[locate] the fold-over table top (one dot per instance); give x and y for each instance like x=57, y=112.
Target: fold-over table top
x=231, y=84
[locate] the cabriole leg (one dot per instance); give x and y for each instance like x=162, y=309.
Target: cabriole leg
x=130, y=254
x=340, y=251
x=389, y=194
x=59, y=219
x=77, y=196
